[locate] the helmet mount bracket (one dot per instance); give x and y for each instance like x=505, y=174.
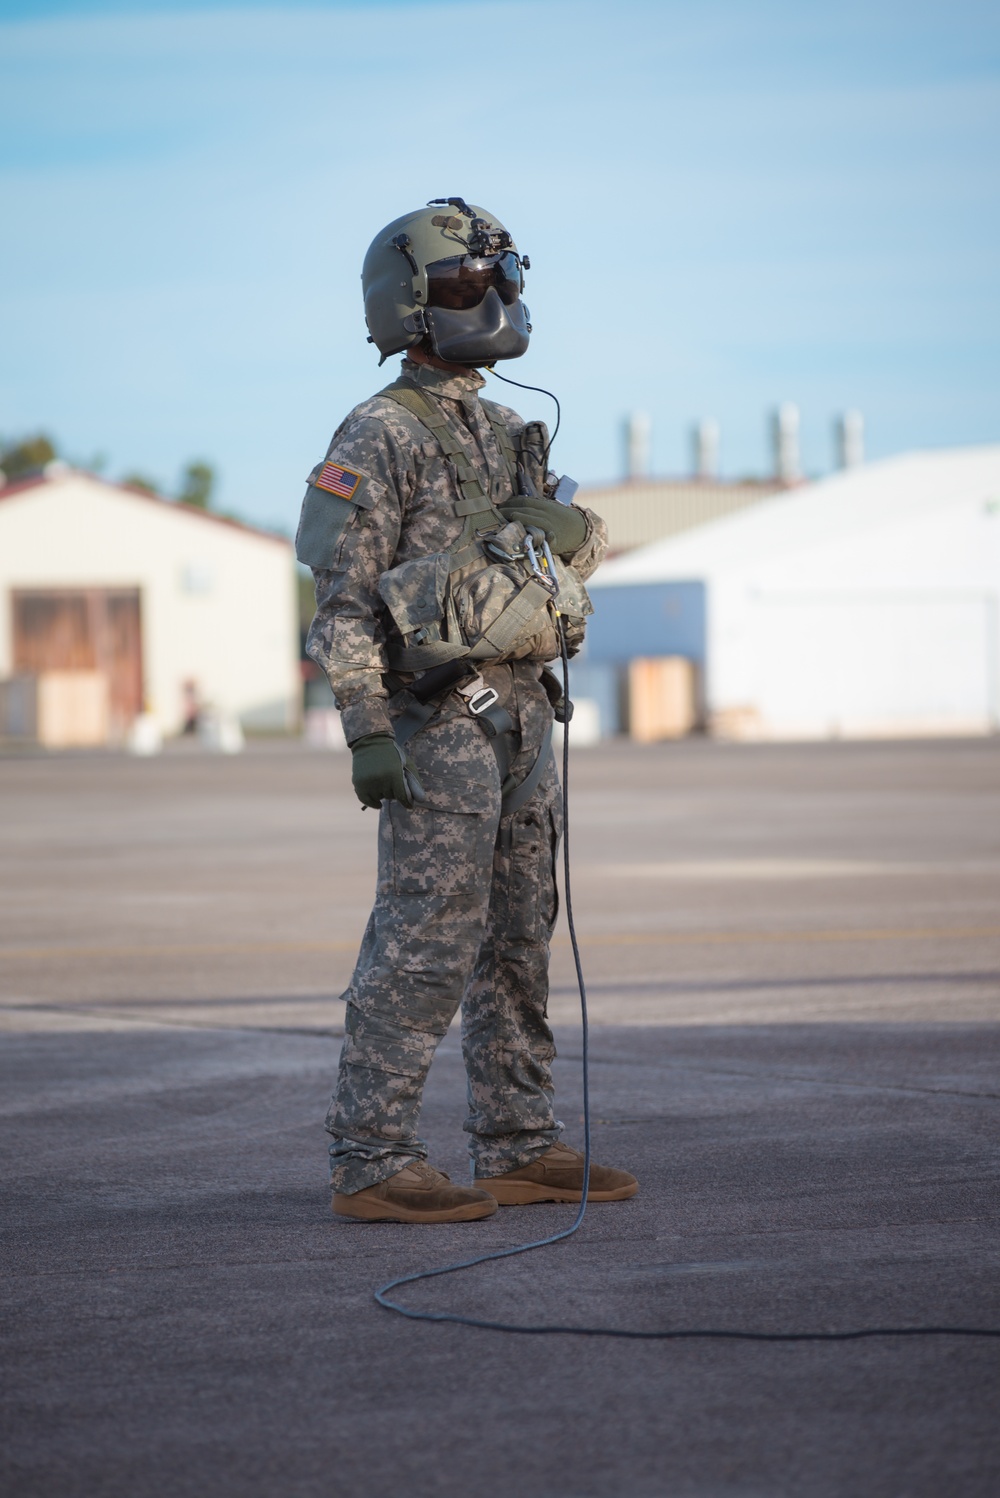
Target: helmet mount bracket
x=402, y=243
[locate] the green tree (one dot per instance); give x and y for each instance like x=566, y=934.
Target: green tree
x=140, y=481
x=28, y=455
x=197, y=483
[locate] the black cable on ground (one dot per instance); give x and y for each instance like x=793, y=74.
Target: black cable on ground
x=542, y=1329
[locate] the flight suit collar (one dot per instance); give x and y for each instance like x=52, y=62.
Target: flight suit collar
x=455, y=387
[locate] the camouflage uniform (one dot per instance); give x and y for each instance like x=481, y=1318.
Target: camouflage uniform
x=466, y=899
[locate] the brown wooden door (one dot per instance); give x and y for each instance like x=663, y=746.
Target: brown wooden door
x=86, y=629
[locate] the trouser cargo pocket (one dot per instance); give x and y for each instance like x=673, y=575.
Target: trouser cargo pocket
x=440, y=852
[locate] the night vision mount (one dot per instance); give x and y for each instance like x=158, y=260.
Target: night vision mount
x=483, y=238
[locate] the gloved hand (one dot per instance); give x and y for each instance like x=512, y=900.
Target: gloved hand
x=565, y=527
x=377, y=771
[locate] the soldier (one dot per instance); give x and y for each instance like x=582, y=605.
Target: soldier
x=444, y=570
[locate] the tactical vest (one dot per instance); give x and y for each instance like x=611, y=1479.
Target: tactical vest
x=493, y=595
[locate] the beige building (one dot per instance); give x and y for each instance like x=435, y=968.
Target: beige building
x=113, y=601
x=639, y=511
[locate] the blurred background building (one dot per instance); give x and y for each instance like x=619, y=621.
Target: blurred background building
x=865, y=604
x=115, y=603
x=640, y=508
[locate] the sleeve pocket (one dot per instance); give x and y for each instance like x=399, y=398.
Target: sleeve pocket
x=322, y=523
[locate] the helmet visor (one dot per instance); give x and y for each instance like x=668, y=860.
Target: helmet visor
x=462, y=281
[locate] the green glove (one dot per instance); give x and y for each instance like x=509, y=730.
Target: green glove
x=565, y=527
x=377, y=771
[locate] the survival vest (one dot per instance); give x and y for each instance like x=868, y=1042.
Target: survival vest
x=493, y=595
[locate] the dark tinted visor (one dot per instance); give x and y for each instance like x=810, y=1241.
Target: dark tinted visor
x=462, y=281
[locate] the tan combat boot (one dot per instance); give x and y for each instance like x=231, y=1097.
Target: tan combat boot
x=417, y=1193
x=557, y=1176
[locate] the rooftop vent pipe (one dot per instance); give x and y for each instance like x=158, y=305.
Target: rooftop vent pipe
x=705, y=438
x=849, y=439
x=785, y=440
x=637, y=432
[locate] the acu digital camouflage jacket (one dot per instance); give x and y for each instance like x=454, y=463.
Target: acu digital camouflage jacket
x=386, y=494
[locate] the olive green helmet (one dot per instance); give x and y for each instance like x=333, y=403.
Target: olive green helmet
x=449, y=273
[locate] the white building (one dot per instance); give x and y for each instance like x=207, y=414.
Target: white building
x=862, y=605
x=151, y=603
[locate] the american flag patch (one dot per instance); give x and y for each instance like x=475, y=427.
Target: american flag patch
x=337, y=480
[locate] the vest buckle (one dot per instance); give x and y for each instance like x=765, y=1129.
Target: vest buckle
x=479, y=698
x=480, y=701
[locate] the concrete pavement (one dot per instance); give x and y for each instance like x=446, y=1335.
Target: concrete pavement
x=794, y=957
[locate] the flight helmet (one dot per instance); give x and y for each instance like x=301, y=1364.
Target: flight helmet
x=449, y=273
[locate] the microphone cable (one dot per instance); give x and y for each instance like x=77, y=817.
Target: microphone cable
x=541, y=391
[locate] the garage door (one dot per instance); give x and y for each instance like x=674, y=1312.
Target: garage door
x=92, y=629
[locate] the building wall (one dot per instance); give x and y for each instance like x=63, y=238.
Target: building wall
x=867, y=604
x=217, y=601
x=865, y=664
x=896, y=630
x=639, y=512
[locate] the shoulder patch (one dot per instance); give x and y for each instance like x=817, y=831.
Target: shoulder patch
x=335, y=495
x=337, y=480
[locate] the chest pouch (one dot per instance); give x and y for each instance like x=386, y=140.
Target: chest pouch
x=532, y=451
x=493, y=596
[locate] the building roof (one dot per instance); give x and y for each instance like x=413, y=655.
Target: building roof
x=859, y=502
x=644, y=510
x=59, y=473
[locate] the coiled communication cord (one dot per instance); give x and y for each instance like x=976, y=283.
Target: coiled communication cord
x=383, y=1293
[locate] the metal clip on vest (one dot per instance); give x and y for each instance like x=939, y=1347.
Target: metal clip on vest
x=546, y=574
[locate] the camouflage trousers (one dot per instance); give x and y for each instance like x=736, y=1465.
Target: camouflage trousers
x=464, y=911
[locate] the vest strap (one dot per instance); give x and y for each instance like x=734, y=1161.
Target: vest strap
x=423, y=657
x=432, y=414
x=504, y=441
x=473, y=507
x=513, y=797
x=415, y=717
x=464, y=555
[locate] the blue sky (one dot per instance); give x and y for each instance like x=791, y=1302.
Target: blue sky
x=727, y=205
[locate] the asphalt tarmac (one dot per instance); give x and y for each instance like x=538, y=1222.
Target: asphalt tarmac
x=794, y=961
